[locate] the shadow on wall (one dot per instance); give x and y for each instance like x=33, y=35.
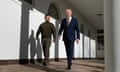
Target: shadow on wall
x=39, y=51
x=32, y=43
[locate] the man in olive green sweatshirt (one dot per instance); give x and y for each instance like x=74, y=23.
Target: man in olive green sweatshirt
x=46, y=29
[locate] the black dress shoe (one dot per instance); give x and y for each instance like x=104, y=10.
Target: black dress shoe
x=69, y=67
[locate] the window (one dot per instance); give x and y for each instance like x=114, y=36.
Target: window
x=81, y=28
x=100, y=41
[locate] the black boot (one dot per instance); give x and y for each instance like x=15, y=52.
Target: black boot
x=32, y=61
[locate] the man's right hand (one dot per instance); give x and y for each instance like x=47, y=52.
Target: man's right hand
x=53, y=41
x=59, y=37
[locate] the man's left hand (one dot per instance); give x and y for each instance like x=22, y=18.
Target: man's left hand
x=77, y=41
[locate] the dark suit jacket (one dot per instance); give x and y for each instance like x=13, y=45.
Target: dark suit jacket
x=69, y=32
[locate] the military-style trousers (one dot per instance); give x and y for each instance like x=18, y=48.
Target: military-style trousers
x=46, y=42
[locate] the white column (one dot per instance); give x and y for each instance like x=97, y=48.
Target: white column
x=108, y=36
x=116, y=34
x=112, y=35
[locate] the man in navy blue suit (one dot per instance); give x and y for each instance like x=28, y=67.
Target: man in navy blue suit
x=71, y=32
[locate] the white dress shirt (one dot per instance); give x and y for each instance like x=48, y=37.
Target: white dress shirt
x=69, y=20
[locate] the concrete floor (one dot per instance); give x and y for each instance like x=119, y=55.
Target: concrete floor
x=78, y=66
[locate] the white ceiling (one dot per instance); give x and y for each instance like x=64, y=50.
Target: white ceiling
x=89, y=10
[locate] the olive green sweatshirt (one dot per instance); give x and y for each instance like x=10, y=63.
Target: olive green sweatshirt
x=46, y=29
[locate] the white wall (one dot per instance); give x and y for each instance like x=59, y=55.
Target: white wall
x=10, y=16
x=10, y=27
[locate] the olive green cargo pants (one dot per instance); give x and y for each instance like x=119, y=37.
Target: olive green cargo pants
x=46, y=42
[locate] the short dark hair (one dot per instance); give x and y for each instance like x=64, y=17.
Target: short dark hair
x=47, y=15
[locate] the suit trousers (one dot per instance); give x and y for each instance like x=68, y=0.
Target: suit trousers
x=69, y=45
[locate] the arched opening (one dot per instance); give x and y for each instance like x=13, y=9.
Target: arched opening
x=53, y=11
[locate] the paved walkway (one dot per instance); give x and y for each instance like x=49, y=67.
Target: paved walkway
x=78, y=66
